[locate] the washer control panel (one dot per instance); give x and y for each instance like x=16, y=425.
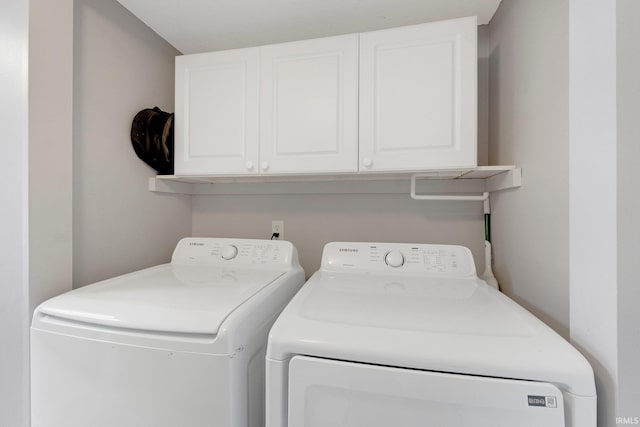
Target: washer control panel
x=445, y=260
x=207, y=251
x=394, y=259
x=229, y=252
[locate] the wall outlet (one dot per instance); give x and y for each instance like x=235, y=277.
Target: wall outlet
x=277, y=230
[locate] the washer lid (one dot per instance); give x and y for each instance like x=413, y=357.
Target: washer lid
x=458, y=325
x=166, y=298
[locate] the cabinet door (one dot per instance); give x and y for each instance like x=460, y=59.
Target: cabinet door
x=308, y=106
x=418, y=97
x=216, y=129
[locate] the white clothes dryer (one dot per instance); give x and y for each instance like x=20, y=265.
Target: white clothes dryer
x=180, y=344
x=407, y=335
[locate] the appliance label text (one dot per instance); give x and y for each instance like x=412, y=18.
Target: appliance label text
x=543, y=401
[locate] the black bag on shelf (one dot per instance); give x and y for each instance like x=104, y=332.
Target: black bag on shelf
x=152, y=139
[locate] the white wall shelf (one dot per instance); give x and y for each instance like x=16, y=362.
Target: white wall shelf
x=458, y=181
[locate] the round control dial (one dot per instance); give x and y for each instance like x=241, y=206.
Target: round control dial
x=394, y=259
x=229, y=252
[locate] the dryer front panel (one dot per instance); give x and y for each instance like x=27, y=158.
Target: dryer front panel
x=327, y=393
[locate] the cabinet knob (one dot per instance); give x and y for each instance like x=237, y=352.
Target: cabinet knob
x=249, y=165
x=264, y=166
x=367, y=162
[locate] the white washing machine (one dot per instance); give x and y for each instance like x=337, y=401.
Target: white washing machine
x=180, y=344
x=407, y=335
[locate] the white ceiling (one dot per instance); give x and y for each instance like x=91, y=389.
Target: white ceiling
x=193, y=26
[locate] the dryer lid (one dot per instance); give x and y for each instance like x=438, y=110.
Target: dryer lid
x=459, y=307
x=440, y=324
x=167, y=298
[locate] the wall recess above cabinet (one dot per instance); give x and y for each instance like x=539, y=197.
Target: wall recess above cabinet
x=205, y=26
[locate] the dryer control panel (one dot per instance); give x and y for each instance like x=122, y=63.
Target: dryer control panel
x=216, y=251
x=442, y=260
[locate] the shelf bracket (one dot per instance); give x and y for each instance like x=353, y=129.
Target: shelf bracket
x=455, y=197
x=503, y=181
x=511, y=178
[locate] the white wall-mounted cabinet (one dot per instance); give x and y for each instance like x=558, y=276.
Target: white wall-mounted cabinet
x=418, y=97
x=216, y=127
x=285, y=108
x=309, y=106
x=398, y=100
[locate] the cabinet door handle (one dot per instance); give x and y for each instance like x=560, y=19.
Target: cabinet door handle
x=367, y=162
x=249, y=165
x=264, y=166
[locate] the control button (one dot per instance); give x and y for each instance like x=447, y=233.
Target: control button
x=229, y=252
x=394, y=259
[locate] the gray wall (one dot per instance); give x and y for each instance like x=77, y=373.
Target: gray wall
x=592, y=171
x=628, y=99
x=528, y=126
x=50, y=148
x=14, y=307
x=120, y=67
